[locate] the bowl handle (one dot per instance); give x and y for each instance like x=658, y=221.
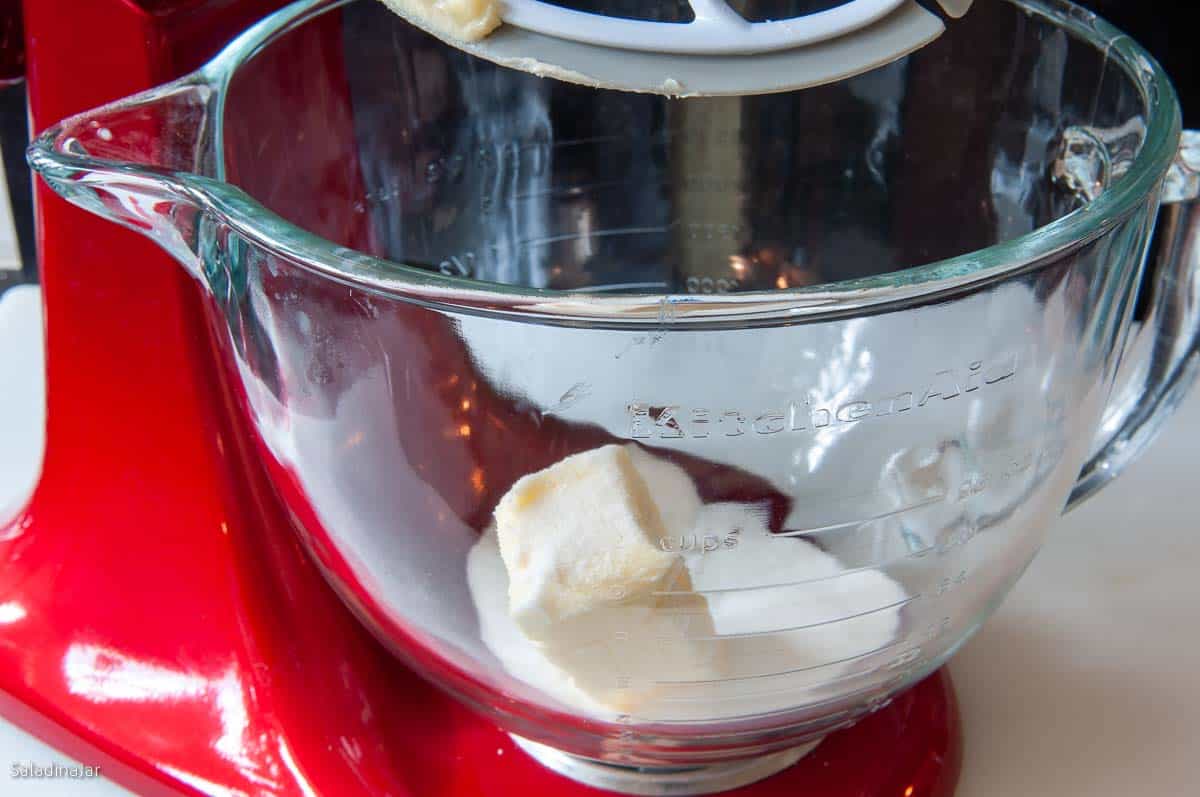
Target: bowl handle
x=1171, y=330
x=140, y=162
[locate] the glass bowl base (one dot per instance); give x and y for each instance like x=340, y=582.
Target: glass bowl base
x=655, y=781
x=910, y=747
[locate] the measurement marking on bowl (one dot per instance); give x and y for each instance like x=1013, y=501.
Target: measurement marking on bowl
x=917, y=554
x=764, y=675
x=552, y=239
x=742, y=694
x=623, y=286
x=659, y=140
x=784, y=585
x=574, y=394
x=749, y=634
x=949, y=583
x=570, y=190
x=574, y=142
x=968, y=530
x=855, y=523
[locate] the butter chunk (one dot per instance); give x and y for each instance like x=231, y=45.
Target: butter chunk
x=626, y=656
x=590, y=584
x=581, y=535
x=461, y=20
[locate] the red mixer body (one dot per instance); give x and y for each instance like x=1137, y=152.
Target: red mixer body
x=162, y=620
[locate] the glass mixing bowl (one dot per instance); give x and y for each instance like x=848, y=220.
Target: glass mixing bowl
x=858, y=346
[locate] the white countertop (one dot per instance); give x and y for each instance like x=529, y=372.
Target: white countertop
x=1085, y=682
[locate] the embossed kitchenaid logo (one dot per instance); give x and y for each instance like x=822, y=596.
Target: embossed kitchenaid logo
x=648, y=420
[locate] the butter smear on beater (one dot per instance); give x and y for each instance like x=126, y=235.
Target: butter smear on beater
x=460, y=20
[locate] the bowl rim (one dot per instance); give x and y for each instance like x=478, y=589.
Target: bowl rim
x=936, y=280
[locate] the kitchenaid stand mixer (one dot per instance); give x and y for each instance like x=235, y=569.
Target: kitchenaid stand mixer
x=161, y=629
x=249, y=534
